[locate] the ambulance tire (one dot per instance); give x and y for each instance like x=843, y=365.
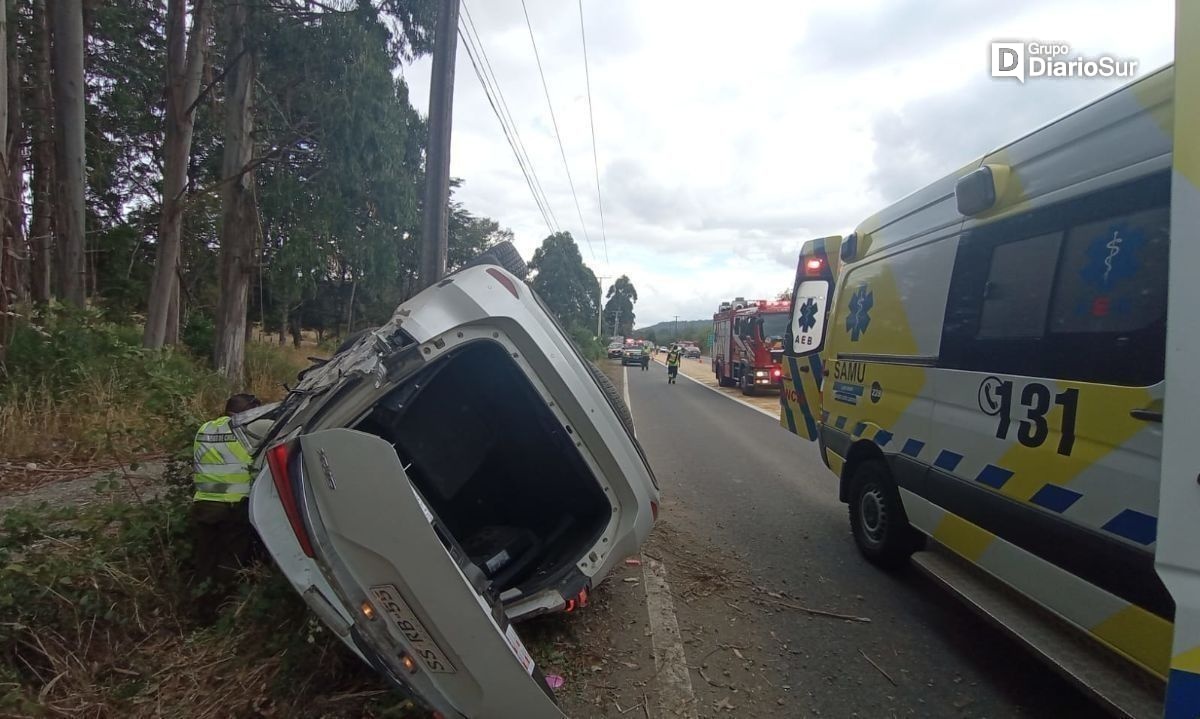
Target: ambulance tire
x=614, y=397
x=877, y=519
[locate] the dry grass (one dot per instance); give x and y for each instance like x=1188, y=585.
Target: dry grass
x=102, y=417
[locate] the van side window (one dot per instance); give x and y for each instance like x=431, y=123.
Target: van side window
x=1103, y=283
x=1074, y=291
x=1017, y=293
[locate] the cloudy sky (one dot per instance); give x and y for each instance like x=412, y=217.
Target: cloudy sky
x=727, y=137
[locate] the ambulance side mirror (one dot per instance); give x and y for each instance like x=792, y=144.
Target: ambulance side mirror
x=982, y=189
x=809, y=310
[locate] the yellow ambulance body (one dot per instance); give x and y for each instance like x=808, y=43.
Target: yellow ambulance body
x=983, y=363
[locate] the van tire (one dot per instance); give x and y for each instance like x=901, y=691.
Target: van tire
x=877, y=519
x=504, y=255
x=614, y=397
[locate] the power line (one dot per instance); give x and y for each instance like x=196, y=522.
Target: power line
x=506, y=116
x=557, y=135
x=587, y=75
x=470, y=44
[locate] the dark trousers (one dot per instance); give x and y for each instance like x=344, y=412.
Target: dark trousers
x=223, y=545
x=672, y=371
x=645, y=362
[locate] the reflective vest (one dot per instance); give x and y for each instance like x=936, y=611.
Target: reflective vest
x=673, y=358
x=222, y=464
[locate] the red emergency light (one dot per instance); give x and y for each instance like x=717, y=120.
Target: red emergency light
x=813, y=266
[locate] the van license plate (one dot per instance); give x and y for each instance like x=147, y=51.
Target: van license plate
x=424, y=648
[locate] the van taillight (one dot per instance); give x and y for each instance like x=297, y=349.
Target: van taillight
x=278, y=458
x=654, y=510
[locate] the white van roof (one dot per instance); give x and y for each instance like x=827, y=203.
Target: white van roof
x=1118, y=137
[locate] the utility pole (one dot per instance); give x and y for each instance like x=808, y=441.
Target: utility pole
x=677, y=327
x=600, y=309
x=437, y=150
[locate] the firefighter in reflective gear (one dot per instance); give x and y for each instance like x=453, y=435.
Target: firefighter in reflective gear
x=220, y=514
x=673, y=357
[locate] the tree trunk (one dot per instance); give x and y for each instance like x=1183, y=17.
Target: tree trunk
x=15, y=154
x=67, y=21
x=294, y=327
x=185, y=63
x=8, y=246
x=237, y=199
x=175, y=307
x=41, y=228
x=283, y=323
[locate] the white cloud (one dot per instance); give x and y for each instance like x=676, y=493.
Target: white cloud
x=727, y=137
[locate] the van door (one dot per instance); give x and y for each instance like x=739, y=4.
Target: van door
x=420, y=618
x=1047, y=430
x=803, y=369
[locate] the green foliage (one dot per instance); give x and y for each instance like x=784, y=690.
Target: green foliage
x=199, y=334
x=99, y=597
x=567, y=286
x=78, y=587
x=589, y=345
x=618, y=311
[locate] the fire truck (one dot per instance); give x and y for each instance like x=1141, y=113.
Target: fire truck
x=748, y=343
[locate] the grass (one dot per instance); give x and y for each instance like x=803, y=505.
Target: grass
x=75, y=387
x=97, y=598
x=98, y=621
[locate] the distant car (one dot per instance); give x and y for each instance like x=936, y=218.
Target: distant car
x=614, y=351
x=691, y=352
x=454, y=469
x=631, y=355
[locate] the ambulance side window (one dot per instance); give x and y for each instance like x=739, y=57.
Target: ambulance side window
x=1075, y=291
x=1016, y=294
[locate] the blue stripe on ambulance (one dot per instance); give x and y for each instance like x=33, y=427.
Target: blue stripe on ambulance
x=1128, y=523
x=809, y=422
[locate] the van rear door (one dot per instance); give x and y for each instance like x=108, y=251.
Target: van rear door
x=417, y=615
x=803, y=369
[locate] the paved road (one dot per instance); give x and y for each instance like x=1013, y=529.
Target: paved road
x=739, y=481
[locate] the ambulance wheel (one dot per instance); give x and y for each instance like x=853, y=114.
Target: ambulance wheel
x=877, y=519
x=747, y=385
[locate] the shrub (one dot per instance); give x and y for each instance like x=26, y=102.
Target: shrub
x=199, y=334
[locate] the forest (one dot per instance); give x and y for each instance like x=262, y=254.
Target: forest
x=198, y=168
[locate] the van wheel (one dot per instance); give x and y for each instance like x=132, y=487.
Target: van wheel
x=747, y=385
x=614, y=397
x=877, y=519
x=503, y=254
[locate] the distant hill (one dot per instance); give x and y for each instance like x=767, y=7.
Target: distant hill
x=697, y=330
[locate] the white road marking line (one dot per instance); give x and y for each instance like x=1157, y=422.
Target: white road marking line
x=674, y=679
x=726, y=395
x=675, y=696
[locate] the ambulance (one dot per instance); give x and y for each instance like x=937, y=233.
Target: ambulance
x=982, y=365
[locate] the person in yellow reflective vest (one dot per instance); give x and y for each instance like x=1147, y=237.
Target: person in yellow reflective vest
x=673, y=358
x=220, y=506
